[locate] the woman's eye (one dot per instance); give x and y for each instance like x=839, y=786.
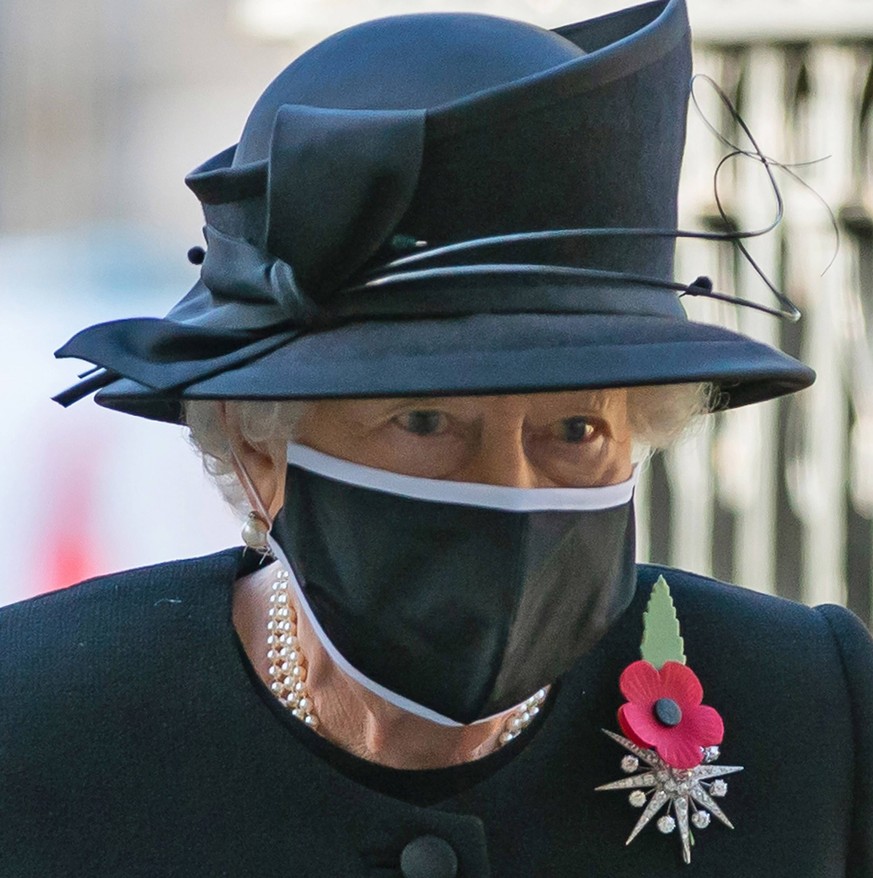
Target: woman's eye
x=575, y=430
x=422, y=422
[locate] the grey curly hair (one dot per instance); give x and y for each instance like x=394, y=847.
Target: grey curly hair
x=659, y=415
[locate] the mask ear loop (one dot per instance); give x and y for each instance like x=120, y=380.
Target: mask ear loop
x=256, y=528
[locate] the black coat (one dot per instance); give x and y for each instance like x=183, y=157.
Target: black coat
x=136, y=741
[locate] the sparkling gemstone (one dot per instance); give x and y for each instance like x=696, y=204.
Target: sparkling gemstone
x=637, y=798
x=710, y=754
x=666, y=824
x=718, y=788
x=700, y=819
x=630, y=764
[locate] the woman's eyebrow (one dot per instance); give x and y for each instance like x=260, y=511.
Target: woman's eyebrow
x=424, y=402
x=594, y=402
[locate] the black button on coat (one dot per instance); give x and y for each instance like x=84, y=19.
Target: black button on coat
x=428, y=857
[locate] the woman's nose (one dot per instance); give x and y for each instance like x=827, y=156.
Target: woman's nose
x=499, y=458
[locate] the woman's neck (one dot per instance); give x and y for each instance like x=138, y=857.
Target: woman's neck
x=349, y=715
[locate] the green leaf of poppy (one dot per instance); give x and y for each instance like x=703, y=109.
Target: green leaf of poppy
x=662, y=641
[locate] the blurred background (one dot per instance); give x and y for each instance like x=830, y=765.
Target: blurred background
x=107, y=104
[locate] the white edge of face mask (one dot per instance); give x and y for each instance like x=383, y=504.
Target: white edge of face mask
x=501, y=497
x=351, y=671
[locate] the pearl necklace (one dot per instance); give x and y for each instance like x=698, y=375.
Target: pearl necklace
x=287, y=662
x=288, y=668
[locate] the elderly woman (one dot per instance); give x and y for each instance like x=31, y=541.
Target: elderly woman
x=436, y=332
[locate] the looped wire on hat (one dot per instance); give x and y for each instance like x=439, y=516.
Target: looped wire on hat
x=407, y=268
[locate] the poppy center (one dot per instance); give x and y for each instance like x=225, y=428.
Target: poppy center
x=667, y=712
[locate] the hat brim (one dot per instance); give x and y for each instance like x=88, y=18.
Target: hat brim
x=489, y=354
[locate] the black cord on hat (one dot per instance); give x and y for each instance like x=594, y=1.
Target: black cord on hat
x=398, y=270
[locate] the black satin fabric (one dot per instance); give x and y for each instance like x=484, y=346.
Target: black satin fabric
x=462, y=609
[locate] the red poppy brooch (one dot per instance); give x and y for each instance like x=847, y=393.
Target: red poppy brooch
x=671, y=737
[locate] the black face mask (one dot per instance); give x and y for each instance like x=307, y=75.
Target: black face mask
x=453, y=600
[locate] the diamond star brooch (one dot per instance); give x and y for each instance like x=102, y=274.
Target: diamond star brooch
x=670, y=733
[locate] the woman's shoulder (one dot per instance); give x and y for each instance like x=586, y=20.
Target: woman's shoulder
x=795, y=685
x=125, y=585
x=763, y=642
x=76, y=663
x=738, y=609
x=109, y=614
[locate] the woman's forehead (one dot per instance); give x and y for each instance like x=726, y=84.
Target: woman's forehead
x=561, y=402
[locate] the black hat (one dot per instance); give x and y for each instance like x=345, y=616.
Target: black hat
x=345, y=252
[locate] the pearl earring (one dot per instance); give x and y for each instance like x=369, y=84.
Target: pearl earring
x=254, y=532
